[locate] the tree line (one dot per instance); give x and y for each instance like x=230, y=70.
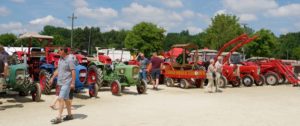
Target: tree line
x=148, y=37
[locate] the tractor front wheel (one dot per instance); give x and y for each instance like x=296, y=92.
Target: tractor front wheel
x=271, y=79
x=169, y=82
x=248, y=80
x=45, y=77
x=237, y=82
x=261, y=81
x=184, y=84
x=116, y=88
x=36, y=93
x=93, y=90
x=142, y=87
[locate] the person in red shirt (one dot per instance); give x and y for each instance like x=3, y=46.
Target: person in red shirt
x=156, y=64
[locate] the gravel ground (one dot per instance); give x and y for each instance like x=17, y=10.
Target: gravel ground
x=259, y=106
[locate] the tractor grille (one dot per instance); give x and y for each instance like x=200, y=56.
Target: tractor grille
x=135, y=72
x=82, y=75
x=20, y=76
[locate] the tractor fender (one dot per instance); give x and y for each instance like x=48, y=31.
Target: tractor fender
x=97, y=63
x=79, y=85
x=48, y=67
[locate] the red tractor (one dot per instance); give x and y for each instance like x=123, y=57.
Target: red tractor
x=275, y=71
x=235, y=73
x=187, y=74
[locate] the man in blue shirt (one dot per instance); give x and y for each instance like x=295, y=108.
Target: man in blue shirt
x=143, y=65
x=65, y=74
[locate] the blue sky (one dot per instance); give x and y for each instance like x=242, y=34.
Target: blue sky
x=19, y=16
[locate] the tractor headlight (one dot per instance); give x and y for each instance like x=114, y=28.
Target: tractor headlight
x=196, y=73
x=163, y=67
x=122, y=71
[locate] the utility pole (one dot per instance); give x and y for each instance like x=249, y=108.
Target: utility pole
x=89, y=41
x=72, y=18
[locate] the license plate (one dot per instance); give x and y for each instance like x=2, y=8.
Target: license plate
x=84, y=61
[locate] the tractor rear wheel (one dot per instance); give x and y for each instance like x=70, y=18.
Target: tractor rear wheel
x=184, y=84
x=36, y=93
x=271, y=79
x=45, y=85
x=93, y=90
x=142, y=87
x=222, y=82
x=95, y=75
x=116, y=88
x=248, y=80
x=261, y=81
x=169, y=82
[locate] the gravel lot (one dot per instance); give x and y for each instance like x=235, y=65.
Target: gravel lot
x=259, y=106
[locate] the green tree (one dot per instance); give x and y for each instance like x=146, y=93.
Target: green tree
x=146, y=37
x=266, y=45
x=290, y=46
x=224, y=27
x=8, y=39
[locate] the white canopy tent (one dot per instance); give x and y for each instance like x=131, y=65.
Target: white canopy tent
x=34, y=35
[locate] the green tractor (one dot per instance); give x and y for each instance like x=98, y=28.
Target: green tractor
x=104, y=72
x=20, y=81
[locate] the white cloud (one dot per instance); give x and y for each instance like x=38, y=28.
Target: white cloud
x=194, y=30
x=172, y=3
x=136, y=13
x=287, y=10
x=249, y=6
x=18, y=1
x=100, y=13
x=4, y=11
x=223, y=11
x=188, y=14
x=48, y=20
x=247, y=17
x=12, y=27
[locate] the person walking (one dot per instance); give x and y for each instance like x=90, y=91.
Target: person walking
x=210, y=75
x=156, y=64
x=65, y=74
x=3, y=69
x=143, y=65
x=218, y=66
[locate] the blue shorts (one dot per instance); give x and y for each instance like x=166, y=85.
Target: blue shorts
x=155, y=73
x=64, y=92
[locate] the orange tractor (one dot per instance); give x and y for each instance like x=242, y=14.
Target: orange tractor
x=188, y=74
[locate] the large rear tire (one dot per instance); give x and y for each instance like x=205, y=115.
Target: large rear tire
x=95, y=75
x=248, y=80
x=45, y=85
x=271, y=78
